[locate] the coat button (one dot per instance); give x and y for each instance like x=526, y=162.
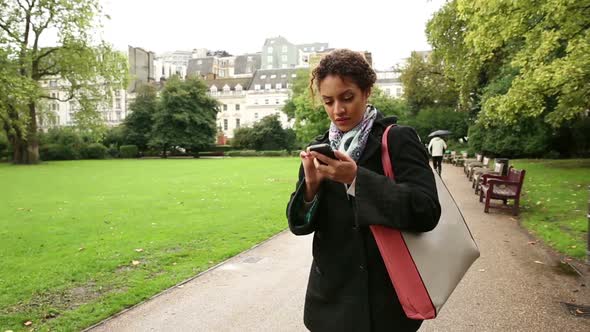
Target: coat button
x=317, y=270
x=355, y=228
x=362, y=267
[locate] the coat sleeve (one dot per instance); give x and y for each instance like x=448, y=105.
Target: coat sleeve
x=410, y=203
x=301, y=218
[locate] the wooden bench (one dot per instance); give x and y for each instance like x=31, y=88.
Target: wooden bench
x=473, y=163
x=478, y=177
x=448, y=158
x=502, y=188
x=478, y=168
x=458, y=161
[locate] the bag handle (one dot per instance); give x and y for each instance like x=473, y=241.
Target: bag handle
x=385, y=158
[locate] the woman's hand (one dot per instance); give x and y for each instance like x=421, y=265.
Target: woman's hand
x=313, y=178
x=342, y=170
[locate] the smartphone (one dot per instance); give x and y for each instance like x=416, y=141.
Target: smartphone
x=324, y=149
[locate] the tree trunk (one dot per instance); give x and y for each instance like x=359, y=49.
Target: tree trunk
x=32, y=148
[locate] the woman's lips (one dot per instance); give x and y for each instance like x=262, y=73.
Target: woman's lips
x=342, y=120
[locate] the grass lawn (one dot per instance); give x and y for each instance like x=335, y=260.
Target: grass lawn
x=555, y=203
x=81, y=240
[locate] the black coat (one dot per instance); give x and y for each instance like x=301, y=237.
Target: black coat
x=349, y=288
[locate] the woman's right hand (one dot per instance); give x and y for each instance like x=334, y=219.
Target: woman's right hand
x=313, y=178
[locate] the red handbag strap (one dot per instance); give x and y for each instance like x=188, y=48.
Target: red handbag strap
x=385, y=158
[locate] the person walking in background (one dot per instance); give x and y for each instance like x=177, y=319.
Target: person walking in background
x=437, y=147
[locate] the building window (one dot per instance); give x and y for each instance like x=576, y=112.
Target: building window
x=53, y=95
x=279, y=86
x=273, y=76
x=224, y=124
x=255, y=101
x=225, y=107
x=293, y=75
x=213, y=88
x=226, y=88
x=53, y=84
x=284, y=48
x=256, y=116
x=283, y=75
x=118, y=116
x=249, y=58
x=257, y=87
x=284, y=58
x=118, y=104
x=237, y=123
x=267, y=86
x=262, y=77
x=237, y=107
x=269, y=59
x=55, y=107
x=268, y=66
x=266, y=101
x=199, y=62
x=269, y=49
x=276, y=101
x=398, y=92
x=117, y=93
x=238, y=87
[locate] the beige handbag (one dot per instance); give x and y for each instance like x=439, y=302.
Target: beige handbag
x=426, y=267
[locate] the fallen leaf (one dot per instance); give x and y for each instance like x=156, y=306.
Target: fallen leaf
x=174, y=263
x=539, y=202
x=573, y=247
x=139, y=250
x=482, y=270
x=532, y=242
x=539, y=262
x=80, y=249
x=580, y=312
x=135, y=262
x=513, y=219
x=181, y=286
x=568, y=259
x=28, y=323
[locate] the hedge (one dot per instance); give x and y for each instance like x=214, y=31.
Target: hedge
x=128, y=151
x=93, y=151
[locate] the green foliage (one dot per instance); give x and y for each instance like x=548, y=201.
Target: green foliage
x=128, y=151
x=138, y=124
x=439, y=118
x=115, y=136
x=267, y=134
x=389, y=106
x=54, y=151
x=253, y=153
x=537, y=50
x=186, y=117
x=113, y=151
x=528, y=138
x=3, y=145
x=66, y=136
x=425, y=83
x=76, y=58
x=93, y=151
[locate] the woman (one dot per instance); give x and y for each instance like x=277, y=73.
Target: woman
x=349, y=288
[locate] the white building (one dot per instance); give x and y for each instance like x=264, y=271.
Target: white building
x=245, y=101
x=61, y=111
x=389, y=82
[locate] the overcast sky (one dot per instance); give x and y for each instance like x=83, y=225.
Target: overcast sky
x=388, y=29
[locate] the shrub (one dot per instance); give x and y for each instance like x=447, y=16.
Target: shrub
x=58, y=152
x=241, y=153
x=279, y=153
x=128, y=151
x=93, y=151
x=113, y=152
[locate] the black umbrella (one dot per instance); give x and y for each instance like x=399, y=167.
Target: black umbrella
x=439, y=133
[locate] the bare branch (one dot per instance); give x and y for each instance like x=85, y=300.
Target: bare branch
x=4, y=27
x=69, y=97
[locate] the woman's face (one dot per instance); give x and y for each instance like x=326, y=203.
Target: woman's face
x=344, y=101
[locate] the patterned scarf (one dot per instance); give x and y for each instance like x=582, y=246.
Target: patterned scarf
x=353, y=141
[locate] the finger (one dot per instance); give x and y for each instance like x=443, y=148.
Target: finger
x=342, y=156
x=324, y=159
x=316, y=163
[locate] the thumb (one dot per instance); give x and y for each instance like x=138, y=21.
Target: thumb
x=342, y=156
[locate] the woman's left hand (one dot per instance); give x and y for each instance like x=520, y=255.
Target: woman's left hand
x=342, y=170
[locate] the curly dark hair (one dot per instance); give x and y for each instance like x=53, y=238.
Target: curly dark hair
x=346, y=64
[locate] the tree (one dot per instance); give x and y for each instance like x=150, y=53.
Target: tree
x=185, y=117
x=310, y=118
x=266, y=134
x=90, y=68
x=138, y=124
x=425, y=83
x=537, y=49
x=388, y=105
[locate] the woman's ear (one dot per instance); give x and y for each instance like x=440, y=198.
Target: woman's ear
x=368, y=94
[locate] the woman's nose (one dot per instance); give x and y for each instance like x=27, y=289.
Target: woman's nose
x=339, y=108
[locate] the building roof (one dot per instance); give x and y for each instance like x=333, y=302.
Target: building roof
x=204, y=68
x=388, y=80
x=276, y=40
x=231, y=82
x=273, y=76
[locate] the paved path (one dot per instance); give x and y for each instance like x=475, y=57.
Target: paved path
x=263, y=289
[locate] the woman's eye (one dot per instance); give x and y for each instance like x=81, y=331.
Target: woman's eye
x=349, y=98
x=327, y=102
